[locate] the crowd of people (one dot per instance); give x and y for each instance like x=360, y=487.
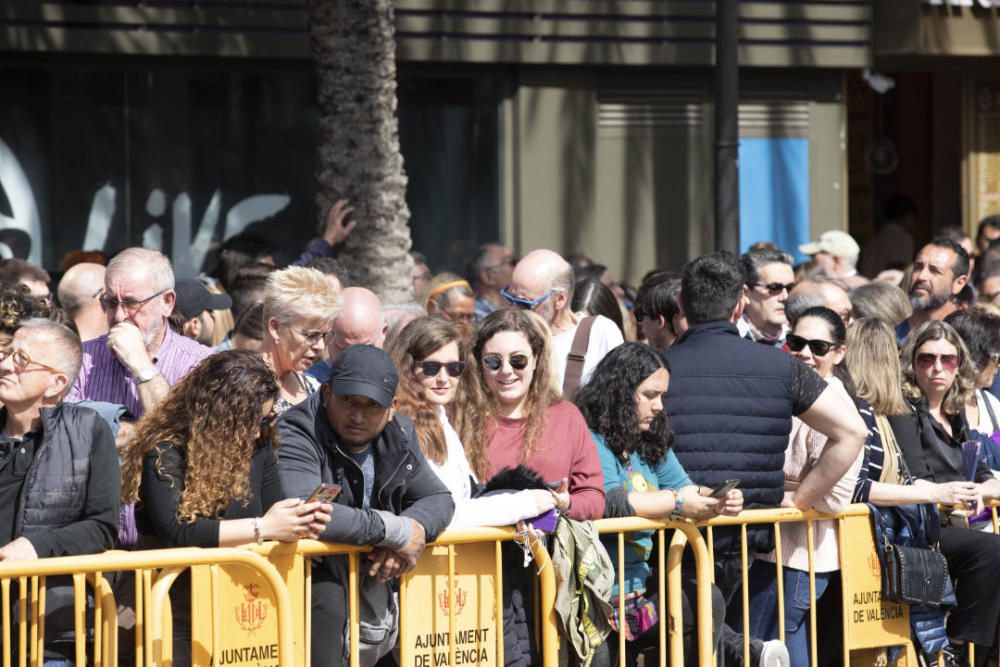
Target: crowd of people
x=264, y=403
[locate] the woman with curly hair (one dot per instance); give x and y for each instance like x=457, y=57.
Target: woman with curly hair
x=429, y=354
x=514, y=415
x=623, y=406
x=203, y=470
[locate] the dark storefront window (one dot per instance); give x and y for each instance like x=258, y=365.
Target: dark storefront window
x=181, y=159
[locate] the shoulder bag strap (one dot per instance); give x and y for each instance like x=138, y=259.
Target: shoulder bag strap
x=576, y=357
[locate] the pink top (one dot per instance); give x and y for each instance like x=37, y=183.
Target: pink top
x=564, y=449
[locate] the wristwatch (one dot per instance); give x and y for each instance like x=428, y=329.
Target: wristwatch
x=145, y=375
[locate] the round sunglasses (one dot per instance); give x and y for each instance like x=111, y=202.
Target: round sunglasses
x=432, y=368
x=819, y=348
x=494, y=362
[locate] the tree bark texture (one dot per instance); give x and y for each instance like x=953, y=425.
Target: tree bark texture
x=353, y=43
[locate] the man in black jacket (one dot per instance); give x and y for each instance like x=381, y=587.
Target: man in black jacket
x=346, y=434
x=59, y=481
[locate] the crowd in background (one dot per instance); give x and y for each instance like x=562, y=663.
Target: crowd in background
x=263, y=403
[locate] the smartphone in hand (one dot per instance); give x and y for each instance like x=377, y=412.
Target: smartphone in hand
x=724, y=489
x=325, y=493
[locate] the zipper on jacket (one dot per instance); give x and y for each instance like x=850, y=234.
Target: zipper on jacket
x=386, y=483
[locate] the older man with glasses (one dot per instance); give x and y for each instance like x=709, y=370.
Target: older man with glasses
x=59, y=482
x=140, y=357
x=543, y=282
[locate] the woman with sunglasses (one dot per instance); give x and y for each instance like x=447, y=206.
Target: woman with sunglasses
x=623, y=406
x=514, y=415
x=430, y=357
x=299, y=305
x=203, y=470
x=817, y=338
x=979, y=329
x=873, y=360
x=938, y=379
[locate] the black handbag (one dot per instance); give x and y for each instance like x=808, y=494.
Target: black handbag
x=915, y=575
x=914, y=571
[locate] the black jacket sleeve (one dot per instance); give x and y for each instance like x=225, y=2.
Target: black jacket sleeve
x=161, y=494
x=97, y=527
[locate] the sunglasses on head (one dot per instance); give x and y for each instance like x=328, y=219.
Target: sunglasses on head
x=925, y=360
x=494, y=362
x=819, y=348
x=432, y=368
x=774, y=289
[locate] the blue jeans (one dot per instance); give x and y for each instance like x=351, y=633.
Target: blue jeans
x=764, y=607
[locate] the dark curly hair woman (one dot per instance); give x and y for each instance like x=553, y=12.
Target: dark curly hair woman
x=623, y=406
x=203, y=470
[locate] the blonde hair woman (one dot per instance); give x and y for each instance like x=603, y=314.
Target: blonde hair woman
x=299, y=307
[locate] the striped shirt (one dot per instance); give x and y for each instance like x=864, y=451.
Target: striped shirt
x=104, y=378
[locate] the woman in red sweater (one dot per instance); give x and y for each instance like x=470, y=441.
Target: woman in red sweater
x=514, y=415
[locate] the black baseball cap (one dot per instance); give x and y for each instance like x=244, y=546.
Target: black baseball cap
x=364, y=370
x=193, y=298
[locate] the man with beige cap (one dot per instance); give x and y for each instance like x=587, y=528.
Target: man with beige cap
x=835, y=253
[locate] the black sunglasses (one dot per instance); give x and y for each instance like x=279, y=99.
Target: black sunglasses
x=774, y=289
x=432, y=368
x=494, y=362
x=819, y=348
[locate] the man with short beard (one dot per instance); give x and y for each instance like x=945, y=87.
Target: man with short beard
x=135, y=363
x=940, y=272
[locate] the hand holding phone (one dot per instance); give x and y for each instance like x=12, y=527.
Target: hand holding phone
x=325, y=493
x=724, y=489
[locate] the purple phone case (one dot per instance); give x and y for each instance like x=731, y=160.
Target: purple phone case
x=546, y=523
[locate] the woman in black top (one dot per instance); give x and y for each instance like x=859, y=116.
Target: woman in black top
x=938, y=378
x=203, y=471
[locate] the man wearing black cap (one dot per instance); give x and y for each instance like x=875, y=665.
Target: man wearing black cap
x=347, y=435
x=194, y=302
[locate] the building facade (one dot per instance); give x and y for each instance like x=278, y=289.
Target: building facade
x=579, y=125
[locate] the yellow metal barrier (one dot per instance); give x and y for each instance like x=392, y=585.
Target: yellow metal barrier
x=294, y=564
x=152, y=642
x=262, y=595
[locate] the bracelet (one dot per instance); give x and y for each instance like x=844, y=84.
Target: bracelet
x=678, y=502
x=257, y=533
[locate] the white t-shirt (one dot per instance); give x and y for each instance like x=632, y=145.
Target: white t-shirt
x=604, y=337
x=494, y=509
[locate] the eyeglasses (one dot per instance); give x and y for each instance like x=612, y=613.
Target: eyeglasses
x=527, y=304
x=432, y=368
x=639, y=313
x=925, y=360
x=313, y=337
x=20, y=359
x=494, y=362
x=130, y=306
x=459, y=317
x=774, y=289
x=819, y=348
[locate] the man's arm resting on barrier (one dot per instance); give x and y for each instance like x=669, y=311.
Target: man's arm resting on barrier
x=97, y=526
x=834, y=416
x=388, y=563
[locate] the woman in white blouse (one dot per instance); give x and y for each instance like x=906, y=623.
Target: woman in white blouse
x=430, y=357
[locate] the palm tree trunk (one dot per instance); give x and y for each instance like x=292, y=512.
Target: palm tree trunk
x=353, y=42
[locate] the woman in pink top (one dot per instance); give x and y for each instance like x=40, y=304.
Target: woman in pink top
x=514, y=415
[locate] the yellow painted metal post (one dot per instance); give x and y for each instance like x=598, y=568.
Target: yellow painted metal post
x=661, y=603
x=621, y=599
x=780, y=581
x=810, y=548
